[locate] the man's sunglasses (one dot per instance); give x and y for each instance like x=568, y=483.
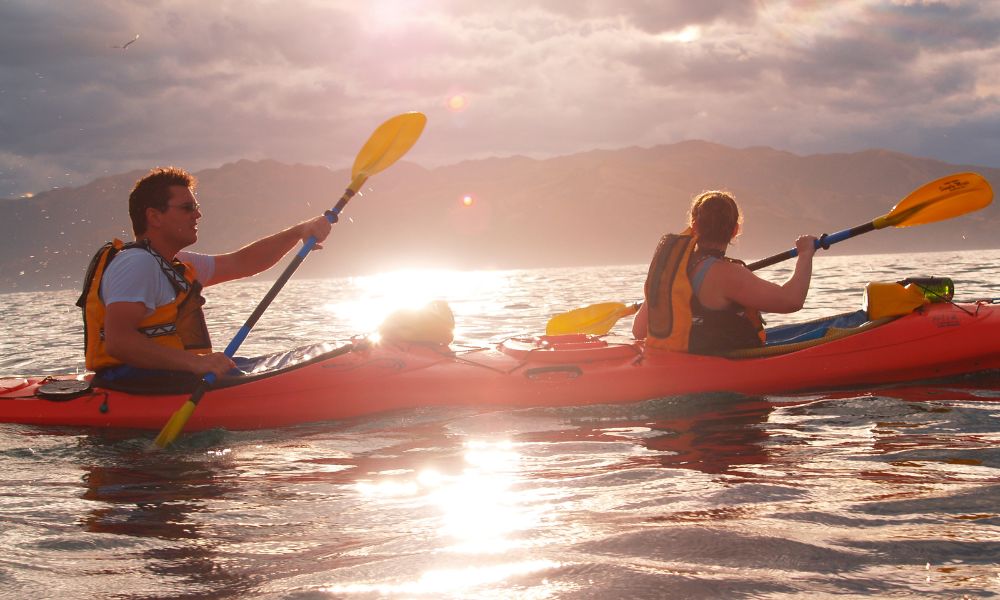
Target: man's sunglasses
x=188, y=207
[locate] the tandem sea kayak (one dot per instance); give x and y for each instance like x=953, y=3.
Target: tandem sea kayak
x=362, y=377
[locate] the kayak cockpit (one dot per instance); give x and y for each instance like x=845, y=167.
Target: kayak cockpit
x=799, y=336
x=247, y=370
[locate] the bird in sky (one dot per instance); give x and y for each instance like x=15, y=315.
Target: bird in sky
x=128, y=43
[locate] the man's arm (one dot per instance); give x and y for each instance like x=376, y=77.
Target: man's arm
x=124, y=341
x=266, y=252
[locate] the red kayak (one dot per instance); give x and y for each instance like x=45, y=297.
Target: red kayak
x=362, y=377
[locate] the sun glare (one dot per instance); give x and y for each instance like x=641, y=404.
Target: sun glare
x=388, y=15
x=482, y=511
x=376, y=296
x=691, y=33
x=481, y=508
x=457, y=103
x=482, y=514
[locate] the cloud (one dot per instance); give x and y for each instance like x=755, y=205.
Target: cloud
x=648, y=16
x=308, y=80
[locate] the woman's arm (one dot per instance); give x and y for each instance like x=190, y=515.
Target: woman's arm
x=740, y=286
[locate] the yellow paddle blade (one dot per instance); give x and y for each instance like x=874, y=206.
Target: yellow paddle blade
x=174, y=426
x=597, y=319
x=388, y=143
x=938, y=200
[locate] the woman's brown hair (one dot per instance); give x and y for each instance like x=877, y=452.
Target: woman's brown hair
x=714, y=217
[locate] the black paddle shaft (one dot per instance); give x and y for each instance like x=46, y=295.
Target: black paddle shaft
x=824, y=242
x=241, y=335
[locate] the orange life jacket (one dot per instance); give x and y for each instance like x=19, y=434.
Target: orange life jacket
x=671, y=303
x=668, y=293
x=179, y=324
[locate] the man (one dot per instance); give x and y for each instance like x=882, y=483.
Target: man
x=142, y=301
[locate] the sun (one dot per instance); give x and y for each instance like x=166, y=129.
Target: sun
x=457, y=103
x=691, y=33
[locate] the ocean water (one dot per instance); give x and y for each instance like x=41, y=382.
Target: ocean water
x=878, y=492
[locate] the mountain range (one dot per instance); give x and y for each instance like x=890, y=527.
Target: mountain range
x=592, y=208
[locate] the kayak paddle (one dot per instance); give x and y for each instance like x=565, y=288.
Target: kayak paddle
x=941, y=199
x=386, y=145
x=597, y=319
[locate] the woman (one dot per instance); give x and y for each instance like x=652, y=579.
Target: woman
x=700, y=301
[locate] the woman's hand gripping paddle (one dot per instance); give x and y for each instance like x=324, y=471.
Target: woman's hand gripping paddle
x=386, y=145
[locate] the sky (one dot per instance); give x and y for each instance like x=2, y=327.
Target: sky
x=306, y=81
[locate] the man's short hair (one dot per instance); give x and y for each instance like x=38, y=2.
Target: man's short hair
x=153, y=191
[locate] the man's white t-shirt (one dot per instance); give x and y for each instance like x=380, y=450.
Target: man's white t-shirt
x=135, y=276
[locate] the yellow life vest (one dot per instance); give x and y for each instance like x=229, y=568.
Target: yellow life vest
x=671, y=303
x=668, y=293
x=179, y=324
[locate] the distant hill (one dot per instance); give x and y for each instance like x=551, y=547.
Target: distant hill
x=599, y=207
